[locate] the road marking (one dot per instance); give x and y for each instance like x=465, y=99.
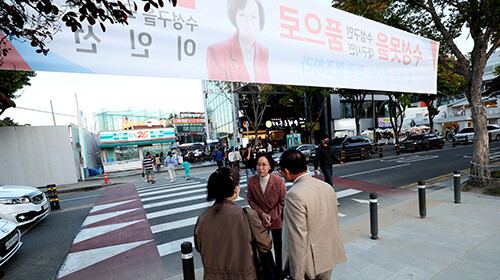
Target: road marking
x=347, y=192
x=86, y=234
x=78, y=198
x=155, y=192
x=364, y=201
x=71, y=209
x=174, y=225
x=172, y=247
x=177, y=210
x=109, y=205
x=172, y=195
x=101, y=217
x=375, y=170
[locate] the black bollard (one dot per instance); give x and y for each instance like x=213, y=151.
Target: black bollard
x=454, y=143
x=413, y=147
x=380, y=152
x=53, y=197
x=428, y=146
x=373, y=216
x=421, y=199
x=187, y=260
x=342, y=155
x=397, y=149
x=456, y=186
x=363, y=153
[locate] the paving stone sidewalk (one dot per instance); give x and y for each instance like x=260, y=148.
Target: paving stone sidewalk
x=454, y=241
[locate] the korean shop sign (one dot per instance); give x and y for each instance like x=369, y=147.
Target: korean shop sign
x=298, y=42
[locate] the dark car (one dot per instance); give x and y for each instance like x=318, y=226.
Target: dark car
x=353, y=146
x=422, y=142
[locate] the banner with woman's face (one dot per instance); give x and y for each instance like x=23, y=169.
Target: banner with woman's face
x=296, y=42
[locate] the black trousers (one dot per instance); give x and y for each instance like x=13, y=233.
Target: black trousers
x=276, y=234
x=219, y=164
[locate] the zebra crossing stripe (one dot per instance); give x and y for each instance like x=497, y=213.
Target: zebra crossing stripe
x=163, y=213
x=179, y=200
x=172, y=195
x=347, y=192
x=174, y=225
x=172, y=247
x=161, y=191
x=164, y=185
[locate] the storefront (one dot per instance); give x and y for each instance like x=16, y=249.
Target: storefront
x=125, y=149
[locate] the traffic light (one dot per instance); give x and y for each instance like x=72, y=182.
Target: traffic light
x=6, y=102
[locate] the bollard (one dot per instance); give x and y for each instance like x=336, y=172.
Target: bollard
x=454, y=143
x=421, y=199
x=363, y=153
x=373, y=216
x=342, y=155
x=456, y=186
x=428, y=147
x=380, y=152
x=413, y=147
x=187, y=260
x=466, y=140
x=53, y=198
x=397, y=149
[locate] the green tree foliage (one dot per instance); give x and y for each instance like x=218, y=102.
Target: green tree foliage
x=10, y=83
x=37, y=21
x=356, y=98
x=10, y=122
x=444, y=21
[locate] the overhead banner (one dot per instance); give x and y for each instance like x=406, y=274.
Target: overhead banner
x=280, y=41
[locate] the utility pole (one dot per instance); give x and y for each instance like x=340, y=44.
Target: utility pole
x=52, y=109
x=81, y=135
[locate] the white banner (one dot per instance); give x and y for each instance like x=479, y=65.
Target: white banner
x=279, y=41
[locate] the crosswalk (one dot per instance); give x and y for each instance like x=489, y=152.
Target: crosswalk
x=173, y=208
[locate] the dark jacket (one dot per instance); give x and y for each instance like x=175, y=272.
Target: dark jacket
x=218, y=156
x=222, y=236
x=271, y=202
x=325, y=157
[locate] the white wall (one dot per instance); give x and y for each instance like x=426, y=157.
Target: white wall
x=36, y=156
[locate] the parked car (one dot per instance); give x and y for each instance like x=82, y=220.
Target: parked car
x=308, y=150
x=276, y=158
x=22, y=205
x=352, y=146
x=466, y=135
x=10, y=240
x=420, y=142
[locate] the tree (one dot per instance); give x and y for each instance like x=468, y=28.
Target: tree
x=398, y=102
x=10, y=122
x=356, y=98
x=37, y=21
x=443, y=21
x=10, y=83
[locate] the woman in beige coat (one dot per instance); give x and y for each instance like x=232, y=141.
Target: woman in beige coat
x=222, y=232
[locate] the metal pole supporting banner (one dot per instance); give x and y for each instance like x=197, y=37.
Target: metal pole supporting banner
x=187, y=260
x=373, y=216
x=456, y=186
x=421, y=199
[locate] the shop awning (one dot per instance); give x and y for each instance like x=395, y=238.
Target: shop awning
x=135, y=143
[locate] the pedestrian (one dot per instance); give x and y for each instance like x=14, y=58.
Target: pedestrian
x=311, y=222
x=325, y=160
x=218, y=157
x=185, y=164
x=148, y=168
x=266, y=195
x=222, y=233
x=157, y=162
x=237, y=159
x=171, y=162
x=249, y=161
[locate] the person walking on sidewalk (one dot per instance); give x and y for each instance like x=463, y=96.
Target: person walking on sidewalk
x=325, y=160
x=171, y=162
x=311, y=222
x=266, y=195
x=223, y=232
x=249, y=161
x=218, y=157
x=148, y=167
x=186, y=166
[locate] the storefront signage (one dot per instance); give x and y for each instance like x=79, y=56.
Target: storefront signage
x=136, y=135
x=296, y=42
x=185, y=120
x=282, y=123
x=385, y=122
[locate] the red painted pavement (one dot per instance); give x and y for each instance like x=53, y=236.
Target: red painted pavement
x=142, y=262
x=368, y=187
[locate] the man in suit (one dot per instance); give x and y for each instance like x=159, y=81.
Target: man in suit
x=311, y=222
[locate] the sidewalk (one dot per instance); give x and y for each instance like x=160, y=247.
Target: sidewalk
x=454, y=241
x=123, y=177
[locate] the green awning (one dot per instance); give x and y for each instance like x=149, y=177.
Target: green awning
x=135, y=143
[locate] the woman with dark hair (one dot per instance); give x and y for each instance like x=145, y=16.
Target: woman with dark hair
x=241, y=57
x=266, y=195
x=222, y=233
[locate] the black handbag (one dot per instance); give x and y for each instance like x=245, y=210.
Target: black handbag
x=264, y=262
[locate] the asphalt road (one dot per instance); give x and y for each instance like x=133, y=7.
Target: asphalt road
x=172, y=208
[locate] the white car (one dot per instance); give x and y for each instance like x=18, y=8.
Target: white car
x=22, y=205
x=10, y=240
x=466, y=135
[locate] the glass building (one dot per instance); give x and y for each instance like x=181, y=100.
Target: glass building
x=111, y=120
x=220, y=122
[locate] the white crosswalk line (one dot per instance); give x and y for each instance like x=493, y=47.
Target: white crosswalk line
x=160, y=185
x=341, y=215
x=161, y=191
x=174, y=225
x=172, y=195
x=347, y=192
x=163, y=213
x=172, y=247
x=179, y=200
